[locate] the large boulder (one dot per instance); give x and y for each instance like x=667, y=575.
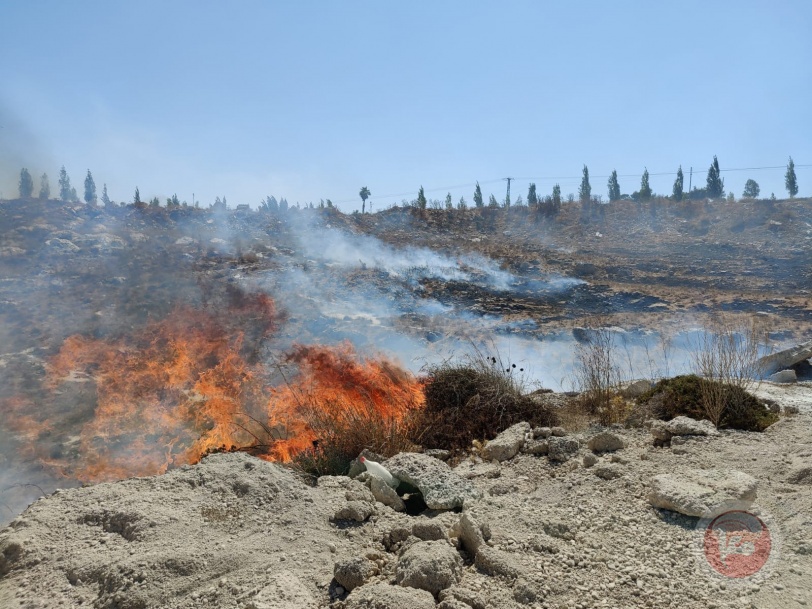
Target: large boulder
x=686, y=426
x=702, y=492
x=430, y=566
x=441, y=487
x=606, y=441
x=786, y=358
x=381, y=595
x=507, y=444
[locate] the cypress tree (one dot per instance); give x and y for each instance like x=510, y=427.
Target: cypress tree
x=26, y=184
x=585, y=190
x=715, y=184
x=790, y=180
x=90, y=189
x=678, y=185
x=614, y=187
x=645, y=189
x=478, y=196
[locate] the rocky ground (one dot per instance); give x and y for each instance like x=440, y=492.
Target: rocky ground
x=539, y=518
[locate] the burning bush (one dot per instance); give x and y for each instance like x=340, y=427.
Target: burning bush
x=337, y=404
x=473, y=400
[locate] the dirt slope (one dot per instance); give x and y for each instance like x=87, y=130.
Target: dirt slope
x=237, y=532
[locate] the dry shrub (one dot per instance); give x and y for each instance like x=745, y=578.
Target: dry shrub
x=598, y=377
x=343, y=433
x=473, y=400
x=726, y=352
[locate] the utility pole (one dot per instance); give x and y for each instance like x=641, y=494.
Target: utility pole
x=507, y=198
x=690, y=180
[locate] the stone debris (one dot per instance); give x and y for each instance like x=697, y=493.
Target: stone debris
x=380, y=595
x=430, y=566
x=606, y=441
x=536, y=447
x=384, y=493
x=686, y=426
x=560, y=449
x=358, y=511
x=507, y=444
x=441, y=487
x=702, y=492
x=354, y=572
x=783, y=376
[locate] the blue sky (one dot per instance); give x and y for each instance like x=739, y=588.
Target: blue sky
x=309, y=100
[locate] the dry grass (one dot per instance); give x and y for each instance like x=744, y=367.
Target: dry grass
x=598, y=377
x=343, y=433
x=727, y=352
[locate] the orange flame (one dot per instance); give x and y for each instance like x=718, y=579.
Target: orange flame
x=178, y=388
x=336, y=382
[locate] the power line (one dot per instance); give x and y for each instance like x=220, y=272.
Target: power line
x=561, y=178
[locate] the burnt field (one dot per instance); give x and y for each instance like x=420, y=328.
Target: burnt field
x=119, y=320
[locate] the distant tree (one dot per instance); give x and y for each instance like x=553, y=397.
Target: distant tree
x=751, y=190
x=364, y=194
x=478, y=196
x=270, y=204
x=678, y=185
x=421, y=199
x=137, y=196
x=44, y=187
x=154, y=202
x=26, y=184
x=175, y=201
x=329, y=204
x=105, y=199
x=556, y=202
x=283, y=204
x=614, y=187
x=73, y=196
x=449, y=202
x=90, y=189
x=461, y=204
x=585, y=190
x=64, y=185
x=519, y=202
x=532, y=197
x=772, y=196
x=492, y=202
x=645, y=189
x=790, y=181
x=715, y=184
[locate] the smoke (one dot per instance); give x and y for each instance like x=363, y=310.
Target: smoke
x=19, y=147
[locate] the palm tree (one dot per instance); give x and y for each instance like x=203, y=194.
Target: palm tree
x=364, y=194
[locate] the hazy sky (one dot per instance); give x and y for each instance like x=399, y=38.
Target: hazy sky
x=309, y=100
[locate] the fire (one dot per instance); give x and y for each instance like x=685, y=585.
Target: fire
x=333, y=384
x=165, y=395
x=177, y=388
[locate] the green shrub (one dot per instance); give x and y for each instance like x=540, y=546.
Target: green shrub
x=683, y=395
